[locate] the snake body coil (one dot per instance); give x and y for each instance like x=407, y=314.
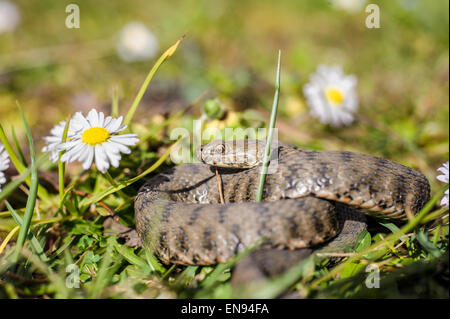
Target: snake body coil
x=306, y=201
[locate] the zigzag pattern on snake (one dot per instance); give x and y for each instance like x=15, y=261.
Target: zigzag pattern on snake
x=312, y=197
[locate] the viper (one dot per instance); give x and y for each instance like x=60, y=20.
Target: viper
x=310, y=199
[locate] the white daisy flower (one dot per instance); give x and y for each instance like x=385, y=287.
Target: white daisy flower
x=54, y=142
x=331, y=95
x=351, y=6
x=137, y=43
x=4, y=164
x=9, y=16
x=444, y=178
x=96, y=138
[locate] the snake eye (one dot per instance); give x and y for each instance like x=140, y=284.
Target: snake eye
x=220, y=149
x=199, y=153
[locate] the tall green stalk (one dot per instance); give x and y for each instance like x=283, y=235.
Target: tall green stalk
x=169, y=52
x=115, y=103
x=273, y=117
x=31, y=201
x=37, y=248
x=62, y=165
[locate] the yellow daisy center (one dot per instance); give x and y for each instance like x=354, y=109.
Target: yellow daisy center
x=334, y=96
x=95, y=135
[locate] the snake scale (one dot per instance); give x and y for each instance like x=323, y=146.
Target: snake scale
x=313, y=198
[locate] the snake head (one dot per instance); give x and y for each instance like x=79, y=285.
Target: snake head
x=232, y=154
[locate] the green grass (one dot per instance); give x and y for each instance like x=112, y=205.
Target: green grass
x=403, y=86
x=273, y=118
x=106, y=265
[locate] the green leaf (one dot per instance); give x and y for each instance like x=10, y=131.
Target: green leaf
x=84, y=277
x=185, y=277
x=427, y=245
x=132, y=258
x=105, y=272
x=91, y=258
x=102, y=211
x=153, y=262
x=84, y=242
x=378, y=237
x=82, y=227
x=66, y=243
x=351, y=269
x=362, y=241
x=391, y=226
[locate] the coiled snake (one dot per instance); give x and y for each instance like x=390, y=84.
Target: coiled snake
x=311, y=198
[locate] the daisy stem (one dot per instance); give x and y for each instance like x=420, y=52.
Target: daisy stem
x=169, y=52
x=113, y=183
x=115, y=103
x=435, y=215
x=273, y=117
x=62, y=165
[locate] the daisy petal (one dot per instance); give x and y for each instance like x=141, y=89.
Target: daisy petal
x=331, y=95
x=101, y=160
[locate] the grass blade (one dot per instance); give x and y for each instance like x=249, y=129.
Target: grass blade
x=153, y=262
x=12, y=155
x=59, y=284
x=8, y=238
x=185, y=277
x=16, y=144
x=147, y=80
x=11, y=186
x=102, y=279
x=131, y=257
x=38, y=250
x=31, y=200
x=21, y=168
x=273, y=117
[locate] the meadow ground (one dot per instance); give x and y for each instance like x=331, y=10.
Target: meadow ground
x=228, y=59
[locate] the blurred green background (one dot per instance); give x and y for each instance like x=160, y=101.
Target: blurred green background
x=230, y=51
